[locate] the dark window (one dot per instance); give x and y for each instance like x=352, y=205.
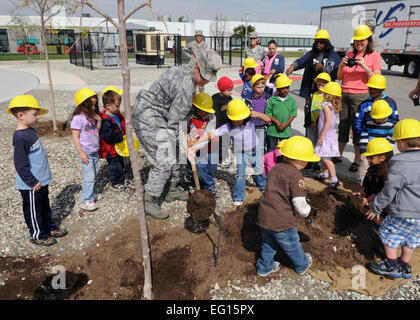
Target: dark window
x=140, y=42
x=4, y=41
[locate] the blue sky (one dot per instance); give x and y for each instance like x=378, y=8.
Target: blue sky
x=280, y=11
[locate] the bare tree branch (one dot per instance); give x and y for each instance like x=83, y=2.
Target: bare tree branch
x=147, y=3
x=89, y=4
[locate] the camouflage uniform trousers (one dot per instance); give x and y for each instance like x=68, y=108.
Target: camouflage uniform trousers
x=161, y=155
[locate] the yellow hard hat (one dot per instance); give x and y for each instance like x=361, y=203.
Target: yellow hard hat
x=283, y=81
x=362, y=32
x=407, y=128
x=377, y=81
x=250, y=63
x=322, y=34
x=204, y=102
x=25, y=100
x=323, y=76
x=122, y=147
x=377, y=146
x=257, y=77
x=332, y=88
x=298, y=148
x=380, y=110
x=237, y=110
x=112, y=88
x=83, y=94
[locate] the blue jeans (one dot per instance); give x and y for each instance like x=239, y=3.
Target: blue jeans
x=242, y=159
x=288, y=240
x=90, y=173
x=261, y=133
x=206, y=169
x=116, y=169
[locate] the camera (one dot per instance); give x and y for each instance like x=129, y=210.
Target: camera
x=416, y=100
x=351, y=62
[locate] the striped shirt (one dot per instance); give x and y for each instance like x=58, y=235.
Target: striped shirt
x=371, y=130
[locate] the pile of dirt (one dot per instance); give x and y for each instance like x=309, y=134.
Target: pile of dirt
x=337, y=235
x=45, y=128
x=201, y=205
x=340, y=234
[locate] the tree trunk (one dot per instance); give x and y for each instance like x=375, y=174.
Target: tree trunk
x=44, y=43
x=147, y=288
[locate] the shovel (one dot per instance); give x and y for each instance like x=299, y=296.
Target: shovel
x=216, y=217
x=221, y=229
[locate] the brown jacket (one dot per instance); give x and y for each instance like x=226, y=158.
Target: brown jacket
x=276, y=211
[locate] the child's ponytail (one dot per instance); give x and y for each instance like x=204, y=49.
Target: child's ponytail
x=334, y=100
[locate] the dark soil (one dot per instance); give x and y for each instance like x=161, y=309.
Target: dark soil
x=183, y=262
x=45, y=128
x=201, y=204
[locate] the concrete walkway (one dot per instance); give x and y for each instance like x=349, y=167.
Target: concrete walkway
x=15, y=82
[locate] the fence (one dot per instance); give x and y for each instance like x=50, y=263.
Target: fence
x=96, y=50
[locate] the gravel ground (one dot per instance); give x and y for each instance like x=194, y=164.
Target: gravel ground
x=65, y=192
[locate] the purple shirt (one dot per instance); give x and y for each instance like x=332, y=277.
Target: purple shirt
x=89, y=134
x=244, y=137
x=258, y=105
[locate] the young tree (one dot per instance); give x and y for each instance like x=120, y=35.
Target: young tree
x=43, y=9
x=239, y=31
x=22, y=28
x=218, y=26
x=125, y=70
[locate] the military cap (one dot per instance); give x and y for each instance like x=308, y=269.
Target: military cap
x=209, y=63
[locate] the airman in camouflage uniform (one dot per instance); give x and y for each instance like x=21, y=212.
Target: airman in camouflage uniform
x=258, y=52
x=157, y=115
x=195, y=48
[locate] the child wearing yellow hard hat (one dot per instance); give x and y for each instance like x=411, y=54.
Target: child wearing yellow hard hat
x=378, y=123
x=378, y=154
x=85, y=126
x=258, y=103
x=401, y=194
x=201, y=120
x=327, y=144
x=248, y=70
x=241, y=128
x=33, y=171
x=313, y=111
x=282, y=110
x=284, y=195
x=112, y=132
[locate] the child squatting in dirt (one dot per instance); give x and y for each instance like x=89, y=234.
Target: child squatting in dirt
x=402, y=194
x=285, y=194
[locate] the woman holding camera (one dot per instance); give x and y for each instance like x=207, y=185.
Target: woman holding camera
x=355, y=70
x=322, y=58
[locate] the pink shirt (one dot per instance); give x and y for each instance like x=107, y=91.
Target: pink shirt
x=270, y=160
x=355, y=78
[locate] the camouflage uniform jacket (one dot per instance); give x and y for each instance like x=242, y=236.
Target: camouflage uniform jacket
x=166, y=102
x=193, y=48
x=256, y=53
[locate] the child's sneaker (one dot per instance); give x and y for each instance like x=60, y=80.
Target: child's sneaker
x=334, y=185
x=384, y=268
x=89, y=206
x=309, y=257
x=61, y=232
x=44, y=242
x=97, y=196
x=405, y=270
x=237, y=202
x=118, y=187
x=321, y=177
x=276, y=267
x=226, y=163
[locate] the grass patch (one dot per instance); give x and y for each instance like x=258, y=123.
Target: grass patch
x=20, y=56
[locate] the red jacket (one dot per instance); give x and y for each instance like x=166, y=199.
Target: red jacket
x=110, y=134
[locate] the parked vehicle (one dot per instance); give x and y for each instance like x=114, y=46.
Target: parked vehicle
x=397, y=27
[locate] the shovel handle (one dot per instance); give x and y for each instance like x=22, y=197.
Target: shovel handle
x=195, y=174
